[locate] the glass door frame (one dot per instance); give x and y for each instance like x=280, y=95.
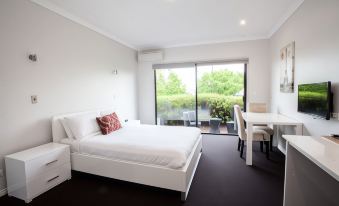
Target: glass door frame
x=196, y=95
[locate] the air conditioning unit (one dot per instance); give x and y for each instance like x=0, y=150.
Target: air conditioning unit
x=150, y=56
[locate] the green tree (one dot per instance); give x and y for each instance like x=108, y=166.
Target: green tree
x=161, y=84
x=172, y=86
x=221, y=82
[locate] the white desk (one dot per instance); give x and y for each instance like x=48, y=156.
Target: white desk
x=270, y=119
x=311, y=171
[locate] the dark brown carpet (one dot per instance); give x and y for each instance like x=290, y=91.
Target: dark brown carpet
x=222, y=178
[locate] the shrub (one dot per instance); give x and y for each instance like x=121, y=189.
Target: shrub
x=172, y=106
x=221, y=106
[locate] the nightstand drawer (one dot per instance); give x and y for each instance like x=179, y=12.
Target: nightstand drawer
x=47, y=162
x=48, y=180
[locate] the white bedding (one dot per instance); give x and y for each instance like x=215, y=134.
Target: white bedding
x=74, y=144
x=167, y=146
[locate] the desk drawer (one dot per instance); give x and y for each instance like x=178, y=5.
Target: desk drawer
x=48, y=180
x=48, y=162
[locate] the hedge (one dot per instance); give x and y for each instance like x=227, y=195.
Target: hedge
x=221, y=106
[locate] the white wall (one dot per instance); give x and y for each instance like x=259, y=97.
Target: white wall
x=258, y=70
x=73, y=73
x=315, y=30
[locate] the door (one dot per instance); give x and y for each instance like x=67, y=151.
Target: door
x=176, y=96
x=219, y=87
x=200, y=95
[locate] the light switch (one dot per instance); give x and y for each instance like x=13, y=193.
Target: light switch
x=34, y=99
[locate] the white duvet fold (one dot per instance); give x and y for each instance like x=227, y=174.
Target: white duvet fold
x=168, y=146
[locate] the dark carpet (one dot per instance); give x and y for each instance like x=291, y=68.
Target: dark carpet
x=222, y=178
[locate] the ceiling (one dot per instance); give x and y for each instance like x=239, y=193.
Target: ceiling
x=150, y=24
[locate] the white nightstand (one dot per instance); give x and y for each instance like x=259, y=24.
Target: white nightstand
x=34, y=171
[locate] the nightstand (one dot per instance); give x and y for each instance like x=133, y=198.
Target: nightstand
x=34, y=171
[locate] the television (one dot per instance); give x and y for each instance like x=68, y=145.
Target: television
x=315, y=99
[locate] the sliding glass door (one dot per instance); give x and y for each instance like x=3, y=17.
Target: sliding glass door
x=200, y=95
x=220, y=87
x=176, y=96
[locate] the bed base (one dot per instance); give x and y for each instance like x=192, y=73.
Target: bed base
x=157, y=176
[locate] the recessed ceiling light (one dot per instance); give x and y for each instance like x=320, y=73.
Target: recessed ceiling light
x=243, y=22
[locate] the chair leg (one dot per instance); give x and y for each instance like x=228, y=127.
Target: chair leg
x=261, y=146
x=242, y=148
x=267, y=150
x=239, y=144
x=271, y=143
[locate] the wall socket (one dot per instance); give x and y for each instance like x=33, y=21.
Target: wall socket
x=34, y=99
x=334, y=115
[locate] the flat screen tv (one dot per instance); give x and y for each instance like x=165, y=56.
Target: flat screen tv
x=315, y=99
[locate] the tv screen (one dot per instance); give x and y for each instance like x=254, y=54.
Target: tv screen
x=315, y=99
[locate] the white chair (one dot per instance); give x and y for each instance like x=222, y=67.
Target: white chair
x=258, y=135
x=262, y=108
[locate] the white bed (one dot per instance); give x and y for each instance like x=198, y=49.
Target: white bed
x=159, y=156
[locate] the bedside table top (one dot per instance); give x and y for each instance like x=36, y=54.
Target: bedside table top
x=35, y=152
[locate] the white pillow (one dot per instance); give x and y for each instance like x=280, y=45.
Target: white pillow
x=83, y=125
x=68, y=130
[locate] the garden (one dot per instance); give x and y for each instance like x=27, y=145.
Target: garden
x=218, y=91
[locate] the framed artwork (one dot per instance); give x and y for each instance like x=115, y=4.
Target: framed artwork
x=287, y=58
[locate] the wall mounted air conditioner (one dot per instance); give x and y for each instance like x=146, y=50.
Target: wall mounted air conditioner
x=150, y=56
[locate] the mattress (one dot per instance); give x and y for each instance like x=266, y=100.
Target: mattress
x=168, y=146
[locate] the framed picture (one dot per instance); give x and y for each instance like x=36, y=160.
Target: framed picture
x=287, y=58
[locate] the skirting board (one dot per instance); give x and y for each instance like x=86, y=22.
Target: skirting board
x=3, y=192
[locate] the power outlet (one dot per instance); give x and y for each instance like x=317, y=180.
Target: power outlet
x=34, y=99
x=335, y=115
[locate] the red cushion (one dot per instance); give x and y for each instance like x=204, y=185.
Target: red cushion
x=109, y=123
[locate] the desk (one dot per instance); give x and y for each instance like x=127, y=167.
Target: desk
x=311, y=171
x=269, y=119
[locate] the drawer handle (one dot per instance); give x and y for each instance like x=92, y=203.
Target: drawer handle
x=50, y=180
x=54, y=161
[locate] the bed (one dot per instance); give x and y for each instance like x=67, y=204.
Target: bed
x=159, y=156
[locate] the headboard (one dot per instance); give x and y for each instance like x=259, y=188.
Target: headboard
x=58, y=131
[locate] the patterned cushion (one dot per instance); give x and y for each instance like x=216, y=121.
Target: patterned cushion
x=109, y=123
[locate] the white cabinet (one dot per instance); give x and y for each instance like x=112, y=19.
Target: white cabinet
x=31, y=172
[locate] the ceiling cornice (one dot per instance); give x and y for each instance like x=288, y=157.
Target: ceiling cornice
x=76, y=19
x=293, y=8
x=229, y=40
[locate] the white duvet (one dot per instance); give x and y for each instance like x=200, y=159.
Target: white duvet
x=157, y=145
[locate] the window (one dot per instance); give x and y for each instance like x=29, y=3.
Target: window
x=200, y=95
